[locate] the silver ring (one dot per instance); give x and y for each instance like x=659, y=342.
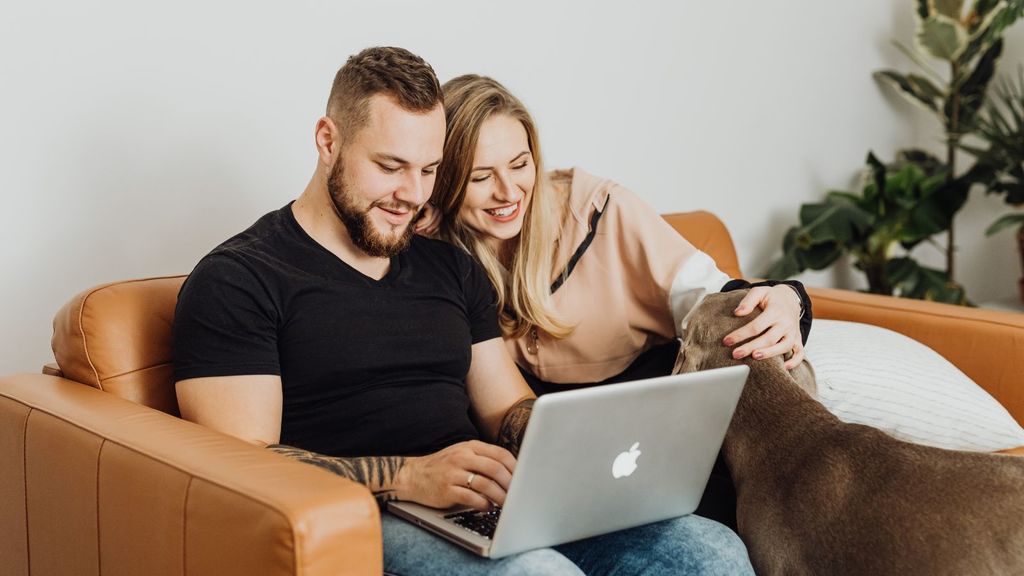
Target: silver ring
x=469, y=481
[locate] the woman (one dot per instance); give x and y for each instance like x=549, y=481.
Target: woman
x=592, y=284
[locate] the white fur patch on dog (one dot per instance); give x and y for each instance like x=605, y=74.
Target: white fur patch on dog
x=880, y=378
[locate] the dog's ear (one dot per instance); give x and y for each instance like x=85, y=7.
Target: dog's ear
x=688, y=359
x=804, y=376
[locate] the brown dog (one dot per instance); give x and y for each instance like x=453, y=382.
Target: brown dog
x=819, y=496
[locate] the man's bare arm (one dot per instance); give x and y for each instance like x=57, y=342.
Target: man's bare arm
x=513, y=426
x=246, y=407
x=249, y=407
x=378, y=473
x=495, y=389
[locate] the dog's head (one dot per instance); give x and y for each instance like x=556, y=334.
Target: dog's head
x=708, y=325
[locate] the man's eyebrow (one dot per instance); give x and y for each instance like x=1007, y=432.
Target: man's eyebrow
x=401, y=161
x=391, y=158
x=518, y=156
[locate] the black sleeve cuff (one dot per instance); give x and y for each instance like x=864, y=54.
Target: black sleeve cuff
x=805, y=300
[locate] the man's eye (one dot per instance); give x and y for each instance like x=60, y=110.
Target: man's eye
x=388, y=169
x=429, y=171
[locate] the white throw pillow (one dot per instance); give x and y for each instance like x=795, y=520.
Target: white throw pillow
x=874, y=376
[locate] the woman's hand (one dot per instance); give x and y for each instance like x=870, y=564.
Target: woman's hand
x=428, y=221
x=777, y=329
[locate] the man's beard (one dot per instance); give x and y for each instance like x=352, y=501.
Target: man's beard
x=360, y=227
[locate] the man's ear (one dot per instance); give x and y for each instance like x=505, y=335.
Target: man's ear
x=327, y=138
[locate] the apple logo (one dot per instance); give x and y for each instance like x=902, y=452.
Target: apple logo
x=625, y=463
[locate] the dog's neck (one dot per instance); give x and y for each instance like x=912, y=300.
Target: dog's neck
x=775, y=426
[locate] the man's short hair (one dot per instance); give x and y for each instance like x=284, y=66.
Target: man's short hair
x=395, y=72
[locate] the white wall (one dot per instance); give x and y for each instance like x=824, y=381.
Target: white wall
x=134, y=138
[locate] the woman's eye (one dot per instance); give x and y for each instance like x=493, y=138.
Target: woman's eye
x=480, y=178
x=429, y=171
x=521, y=165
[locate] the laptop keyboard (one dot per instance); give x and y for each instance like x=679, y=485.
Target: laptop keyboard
x=482, y=523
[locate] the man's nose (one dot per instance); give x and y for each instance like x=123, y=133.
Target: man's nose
x=415, y=189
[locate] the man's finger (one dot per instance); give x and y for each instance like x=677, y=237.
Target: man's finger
x=489, y=489
x=492, y=470
x=471, y=498
x=495, y=452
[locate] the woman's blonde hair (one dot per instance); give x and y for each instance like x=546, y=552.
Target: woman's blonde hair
x=524, y=293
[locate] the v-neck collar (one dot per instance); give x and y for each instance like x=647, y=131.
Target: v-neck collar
x=394, y=268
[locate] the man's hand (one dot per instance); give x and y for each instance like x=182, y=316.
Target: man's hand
x=472, y=473
x=777, y=329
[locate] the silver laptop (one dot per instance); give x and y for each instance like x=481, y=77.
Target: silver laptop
x=601, y=459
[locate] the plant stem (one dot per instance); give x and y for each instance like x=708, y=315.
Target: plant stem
x=874, y=267
x=952, y=142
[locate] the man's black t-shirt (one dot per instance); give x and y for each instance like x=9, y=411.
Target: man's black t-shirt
x=368, y=367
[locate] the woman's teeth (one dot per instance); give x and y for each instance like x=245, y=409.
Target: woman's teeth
x=502, y=212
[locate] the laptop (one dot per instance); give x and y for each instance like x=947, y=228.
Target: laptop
x=598, y=460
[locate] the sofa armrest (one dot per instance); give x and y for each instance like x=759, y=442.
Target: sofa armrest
x=90, y=479
x=987, y=345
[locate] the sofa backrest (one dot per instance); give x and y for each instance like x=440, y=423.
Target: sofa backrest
x=708, y=234
x=117, y=337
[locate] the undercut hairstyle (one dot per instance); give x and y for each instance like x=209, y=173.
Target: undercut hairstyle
x=524, y=291
x=395, y=72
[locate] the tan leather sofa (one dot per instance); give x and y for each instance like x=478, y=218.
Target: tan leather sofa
x=99, y=476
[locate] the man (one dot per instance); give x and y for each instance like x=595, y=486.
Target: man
x=329, y=333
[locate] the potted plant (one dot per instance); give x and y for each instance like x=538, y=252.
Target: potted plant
x=899, y=206
x=1000, y=165
x=967, y=38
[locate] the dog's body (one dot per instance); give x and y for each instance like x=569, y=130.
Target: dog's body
x=818, y=496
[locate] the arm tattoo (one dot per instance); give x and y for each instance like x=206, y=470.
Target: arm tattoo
x=376, y=472
x=513, y=425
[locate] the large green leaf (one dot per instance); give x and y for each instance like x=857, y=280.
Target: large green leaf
x=785, y=267
x=1006, y=221
x=917, y=89
x=789, y=264
x=911, y=280
x=797, y=258
x=942, y=37
x=951, y=8
x=982, y=8
x=835, y=220
x=821, y=256
x=988, y=21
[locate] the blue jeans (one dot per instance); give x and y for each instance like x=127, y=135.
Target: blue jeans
x=687, y=545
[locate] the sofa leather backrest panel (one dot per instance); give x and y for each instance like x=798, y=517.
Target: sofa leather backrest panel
x=94, y=484
x=117, y=337
x=709, y=235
